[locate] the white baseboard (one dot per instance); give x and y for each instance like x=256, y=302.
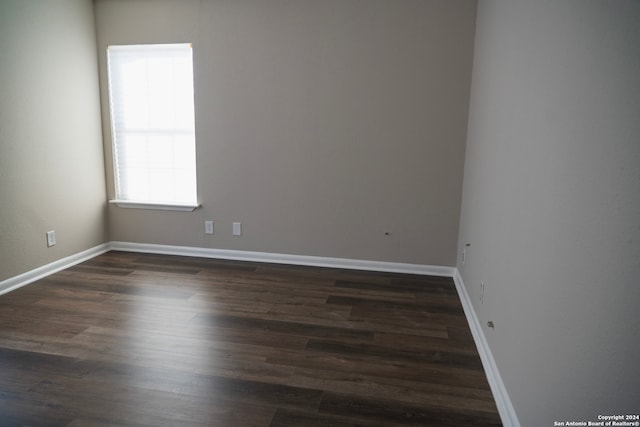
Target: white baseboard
x=273, y=258
x=20, y=280
x=503, y=402
x=353, y=264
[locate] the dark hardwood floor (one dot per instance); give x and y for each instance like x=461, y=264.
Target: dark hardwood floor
x=151, y=340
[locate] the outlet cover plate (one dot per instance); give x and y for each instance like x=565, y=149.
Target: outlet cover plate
x=208, y=227
x=51, y=238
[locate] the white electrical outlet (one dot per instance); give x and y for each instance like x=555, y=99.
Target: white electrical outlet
x=208, y=227
x=51, y=238
x=237, y=228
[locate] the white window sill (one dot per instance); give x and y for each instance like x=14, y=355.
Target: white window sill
x=131, y=204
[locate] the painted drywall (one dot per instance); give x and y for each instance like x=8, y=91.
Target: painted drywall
x=551, y=204
x=51, y=157
x=320, y=125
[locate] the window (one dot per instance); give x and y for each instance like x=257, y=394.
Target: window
x=152, y=123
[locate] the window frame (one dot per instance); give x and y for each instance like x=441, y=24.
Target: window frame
x=148, y=203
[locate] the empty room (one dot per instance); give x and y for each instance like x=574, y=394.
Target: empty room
x=319, y=213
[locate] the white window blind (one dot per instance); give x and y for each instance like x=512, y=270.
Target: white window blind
x=152, y=121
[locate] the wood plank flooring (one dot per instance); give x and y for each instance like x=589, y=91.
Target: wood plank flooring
x=152, y=340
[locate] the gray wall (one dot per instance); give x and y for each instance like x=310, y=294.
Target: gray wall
x=51, y=162
x=551, y=203
x=320, y=125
